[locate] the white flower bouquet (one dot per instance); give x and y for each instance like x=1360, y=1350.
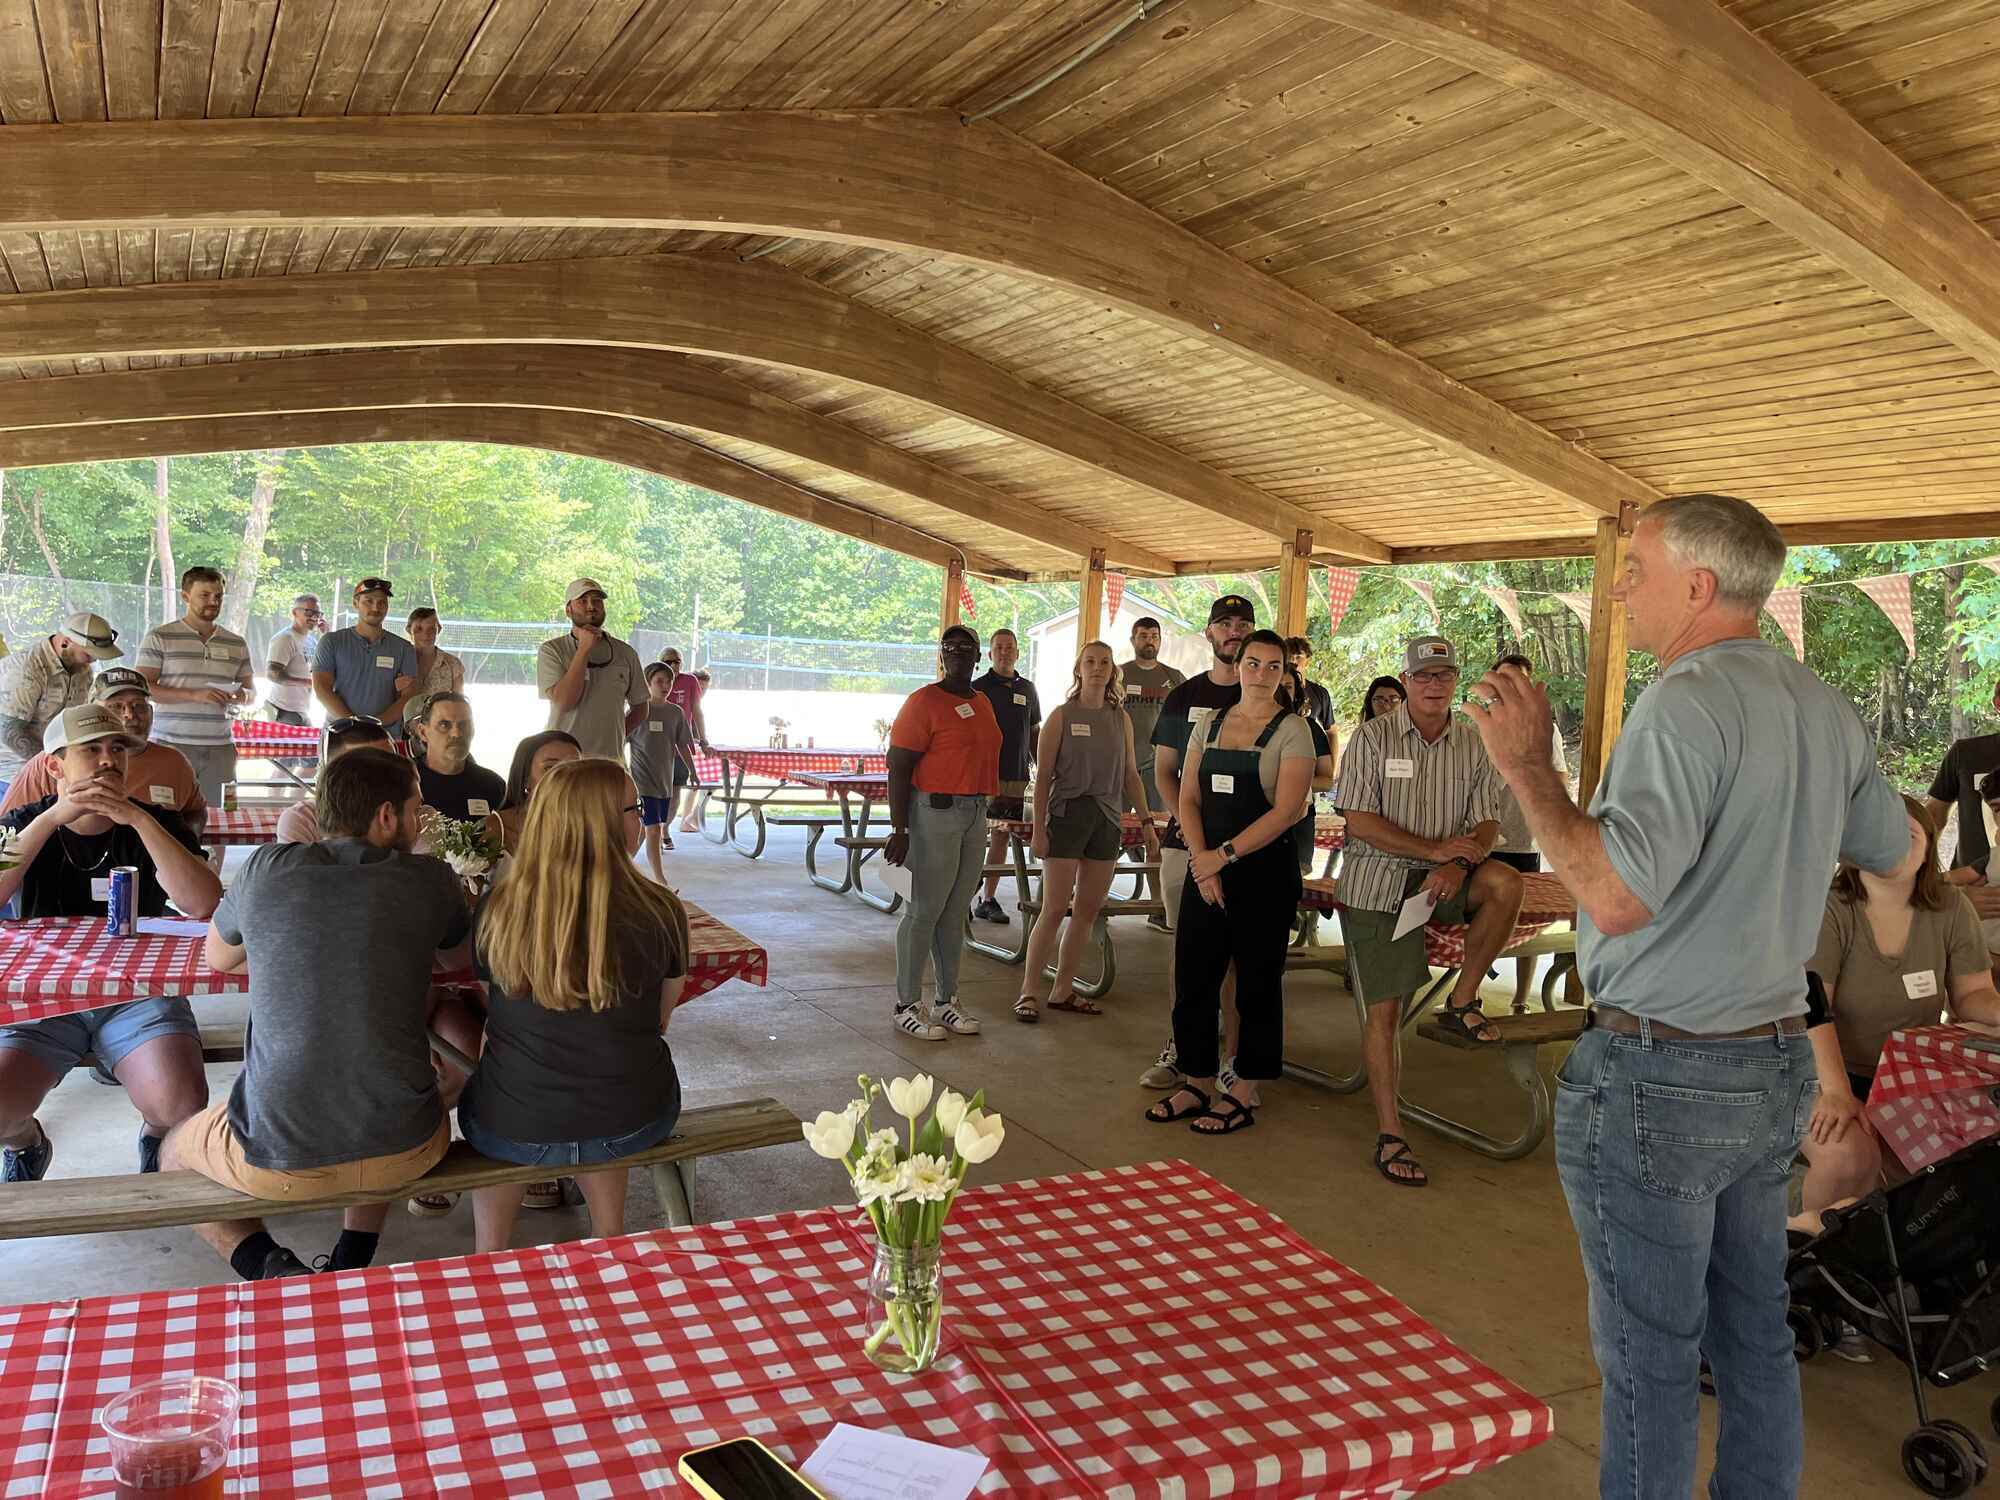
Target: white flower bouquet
x=469, y=846
x=907, y=1186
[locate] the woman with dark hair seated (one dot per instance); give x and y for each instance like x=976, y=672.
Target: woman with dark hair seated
x=534, y=758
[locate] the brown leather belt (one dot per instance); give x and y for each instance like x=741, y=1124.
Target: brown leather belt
x=1624, y=1023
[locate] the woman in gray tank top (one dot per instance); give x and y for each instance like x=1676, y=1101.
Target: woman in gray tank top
x=1087, y=776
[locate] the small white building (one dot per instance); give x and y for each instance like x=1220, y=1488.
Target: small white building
x=1052, y=645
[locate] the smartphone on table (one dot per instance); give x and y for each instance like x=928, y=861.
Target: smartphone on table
x=743, y=1469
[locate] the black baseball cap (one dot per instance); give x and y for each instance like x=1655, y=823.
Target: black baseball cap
x=374, y=586
x=1232, y=607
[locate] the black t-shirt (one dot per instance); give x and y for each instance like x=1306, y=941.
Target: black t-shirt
x=1196, y=699
x=1319, y=704
x=1966, y=764
x=452, y=795
x=1302, y=831
x=1019, y=710
x=60, y=881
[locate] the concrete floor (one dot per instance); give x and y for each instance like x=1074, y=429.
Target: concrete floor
x=1486, y=1253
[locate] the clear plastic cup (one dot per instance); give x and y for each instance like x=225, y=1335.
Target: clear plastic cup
x=170, y=1438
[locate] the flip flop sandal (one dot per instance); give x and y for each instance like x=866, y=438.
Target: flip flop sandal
x=1386, y=1164
x=1467, y=1021
x=1238, y=1116
x=1076, y=1004
x=1026, y=1011
x=1164, y=1112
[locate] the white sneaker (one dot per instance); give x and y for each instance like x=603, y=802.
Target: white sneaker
x=1852, y=1346
x=915, y=1020
x=954, y=1020
x=1165, y=1073
x=1226, y=1077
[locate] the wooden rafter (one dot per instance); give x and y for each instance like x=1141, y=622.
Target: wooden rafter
x=615, y=439
x=905, y=180
x=1917, y=528
x=648, y=384
x=699, y=304
x=1702, y=91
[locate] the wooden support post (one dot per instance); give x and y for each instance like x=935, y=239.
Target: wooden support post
x=1604, y=678
x=1090, y=599
x=954, y=577
x=1294, y=579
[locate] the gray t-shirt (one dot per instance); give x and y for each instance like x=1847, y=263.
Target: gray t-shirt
x=337, y=1059
x=364, y=671
x=1874, y=994
x=598, y=720
x=1740, y=781
x=656, y=742
x=1158, y=680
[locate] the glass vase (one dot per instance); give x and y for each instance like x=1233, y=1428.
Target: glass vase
x=905, y=1307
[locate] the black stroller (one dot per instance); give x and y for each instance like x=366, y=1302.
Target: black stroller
x=1916, y=1268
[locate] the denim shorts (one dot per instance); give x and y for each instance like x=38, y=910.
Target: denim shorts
x=564, y=1154
x=112, y=1032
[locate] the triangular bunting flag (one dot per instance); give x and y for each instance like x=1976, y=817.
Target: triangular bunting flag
x=1509, y=604
x=1787, y=607
x=1114, y=595
x=1424, y=592
x=1340, y=586
x=965, y=598
x=1891, y=593
x=1579, y=604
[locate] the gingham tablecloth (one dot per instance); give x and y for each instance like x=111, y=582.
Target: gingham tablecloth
x=866, y=784
x=272, y=740
x=719, y=953
x=1137, y=1331
x=1545, y=901
x=51, y=966
x=1328, y=834
x=1932, y=1097
x=241, y=825
x=777, y=765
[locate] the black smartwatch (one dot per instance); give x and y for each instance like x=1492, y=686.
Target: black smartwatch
x=1229, y=853
x=1463, y=863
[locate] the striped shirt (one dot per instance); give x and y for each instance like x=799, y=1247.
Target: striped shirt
x=1431, y=791
x=179, y=658
x=35, y=686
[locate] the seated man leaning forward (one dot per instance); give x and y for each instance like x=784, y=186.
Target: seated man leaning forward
x=337, y=1093
x=1422, y=804
x=70, y=843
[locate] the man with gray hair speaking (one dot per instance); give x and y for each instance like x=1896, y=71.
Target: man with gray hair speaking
x=1700, y=874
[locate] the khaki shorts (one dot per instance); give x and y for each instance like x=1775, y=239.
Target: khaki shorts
x=208, y=1145
x=1389, y=968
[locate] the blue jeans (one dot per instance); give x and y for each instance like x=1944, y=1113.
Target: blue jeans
x=567, y=1156
x=947, y=852
x=1673, y=1156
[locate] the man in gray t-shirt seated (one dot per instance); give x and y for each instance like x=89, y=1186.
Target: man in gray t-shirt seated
x=337, y=1092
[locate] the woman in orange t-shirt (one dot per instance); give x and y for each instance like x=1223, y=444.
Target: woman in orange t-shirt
x=944, y=762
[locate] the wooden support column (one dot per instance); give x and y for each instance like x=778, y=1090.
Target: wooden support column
x=1090, y=599
x=1604, y=678
x=1294, y=579
x=954, y=579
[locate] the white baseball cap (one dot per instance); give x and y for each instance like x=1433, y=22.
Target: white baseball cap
x=581, y=586
x=84, y=724
x=94, y=634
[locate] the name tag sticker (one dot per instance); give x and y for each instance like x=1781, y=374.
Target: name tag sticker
x=385, y=661
x=1399, y=770
x=477, y=806
x=965, y=710
x=100, y=888
x=1081, y=731
x=163, y=796
x=1921, y=985
x=1021, y=699
x=1219, y=782
x=656, y=728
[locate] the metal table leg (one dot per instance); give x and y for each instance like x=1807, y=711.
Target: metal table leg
x=1334, y=1083
x=728, y=830
x=849, y=866
x=673, y=1185
x=1525, y=1069
x=856, y=858
x=1018, y=954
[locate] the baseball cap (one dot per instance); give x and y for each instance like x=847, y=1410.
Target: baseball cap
x=581, y=586
x=1232, y=607
x=84, y=725
x=119, y=680
x=1429, y=651
x=374, y=586
x=94, y=634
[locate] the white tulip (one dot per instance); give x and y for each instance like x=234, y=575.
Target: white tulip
x=830, y=1134
x=979, y=1136
x=924, y=1179
x=950, y=1110
x=908, y=1097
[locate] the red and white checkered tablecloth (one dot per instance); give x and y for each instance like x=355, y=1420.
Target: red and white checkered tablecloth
x=1545, y=901
x=241, y=825
x=51, y=966
x=776, y=765
x=1932, y=1097
x=1329, y=835
x=1136, y=1331
x=272, y=740
x=864, y=784
x=719, y=953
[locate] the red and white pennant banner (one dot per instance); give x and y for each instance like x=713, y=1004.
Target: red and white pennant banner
x=1340, y=586
x=965, y=598
x=1114, y=595
x=1891, y=593
x=1787, y=607
x=1579, y=605
x=1424, y=592
x=1509, y=604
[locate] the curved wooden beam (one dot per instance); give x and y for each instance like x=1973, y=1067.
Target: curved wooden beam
x=1700, y=90
x=614, y=439
x=646, y=384
x=904, y=180
x=698, y=304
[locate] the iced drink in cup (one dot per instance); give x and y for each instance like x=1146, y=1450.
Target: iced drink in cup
x=170, y=1438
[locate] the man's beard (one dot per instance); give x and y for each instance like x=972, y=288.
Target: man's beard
x=1227, y=652
x=1146, y=653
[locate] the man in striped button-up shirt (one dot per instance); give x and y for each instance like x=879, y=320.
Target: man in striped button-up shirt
x=1423, y=805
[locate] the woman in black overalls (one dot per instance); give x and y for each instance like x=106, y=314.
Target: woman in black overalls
x=1243, y=889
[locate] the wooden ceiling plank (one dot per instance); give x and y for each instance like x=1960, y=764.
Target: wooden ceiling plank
x=454, y=28
x=490, y=54
x=391, y=51
x=188, y=30
x=131, y=31
x=293, y=57
x=24, y=81
x=242, y=43
x=343, y=55
x=71, y=51
x=579, y=57
x=540, y=50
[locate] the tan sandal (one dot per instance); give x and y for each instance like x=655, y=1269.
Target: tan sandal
x=1027, y=1010
x=1076, y=1004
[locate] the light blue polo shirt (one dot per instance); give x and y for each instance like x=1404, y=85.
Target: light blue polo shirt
x=1739, y=782
x=365, y=672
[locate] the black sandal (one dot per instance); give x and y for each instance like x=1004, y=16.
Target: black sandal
x=1458, y=1020
x=1171, y=1114
x=1239, y=1116
x=1386, y=1164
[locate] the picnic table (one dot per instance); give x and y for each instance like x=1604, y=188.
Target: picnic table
x=1933, y=1095
x=281, y=744
x=241, y=825
x=1080, y=1313
x=730, y=767
x=857, y=793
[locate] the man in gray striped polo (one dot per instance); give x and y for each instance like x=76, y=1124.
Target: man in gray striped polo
x=199, y=671
x=1422, y=804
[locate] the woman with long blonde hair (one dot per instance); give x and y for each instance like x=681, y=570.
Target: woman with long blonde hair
x=1089, y=776
x=584, y=960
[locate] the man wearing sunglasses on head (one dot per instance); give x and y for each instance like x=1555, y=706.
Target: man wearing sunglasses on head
x=367, y=669
x=39, y=683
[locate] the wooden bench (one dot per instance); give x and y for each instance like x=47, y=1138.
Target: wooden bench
x=1521, y=1040
x=1101, y=933
x=159, y=1200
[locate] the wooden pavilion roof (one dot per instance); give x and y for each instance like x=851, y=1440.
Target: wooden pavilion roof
x=1425, y=278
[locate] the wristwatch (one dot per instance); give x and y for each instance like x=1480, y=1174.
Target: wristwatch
x=1463, y=863
x=1229, y=852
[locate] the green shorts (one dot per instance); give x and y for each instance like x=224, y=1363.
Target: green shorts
x=1383, y=968
x=1083, y=831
